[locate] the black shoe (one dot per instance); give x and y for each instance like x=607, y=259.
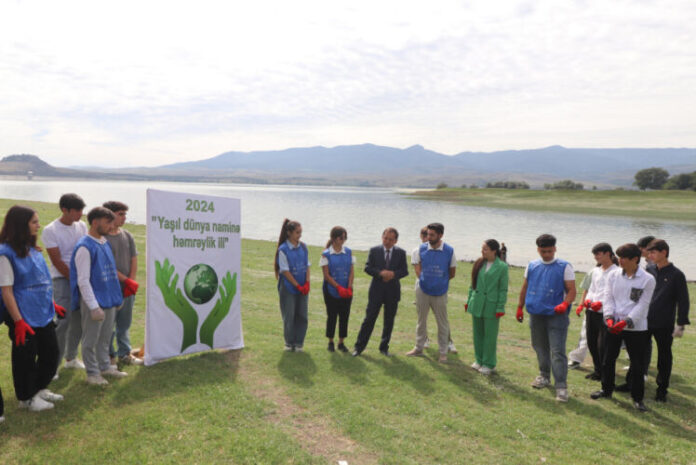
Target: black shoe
x=342, y=347
x=594, y=376
x=623, y=388
x=661, y=397
x=600, y=395
x=640, y=406
x=385, y=352
x=355, y=353
x=331, y=347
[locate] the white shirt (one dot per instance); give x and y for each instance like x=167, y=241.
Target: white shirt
x=626, y=297
x=83, y=264
x=6, y=272
x=599, y=278
x=323, y=261
x=56, y=234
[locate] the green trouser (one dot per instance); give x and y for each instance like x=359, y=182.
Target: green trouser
x=485, y=340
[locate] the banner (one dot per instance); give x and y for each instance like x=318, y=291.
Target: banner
x=193, y=274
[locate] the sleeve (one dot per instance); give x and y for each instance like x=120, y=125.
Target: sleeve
x=526, y=271
x=352, y=259
x=323, y=261
x=607, y=297
x=370, y=268
x=49, y=238
x=83, y=263
x=502, y=291
x=6, y=272
x=682, y=301
x=569, y=273
x=402, y=270
x=415, y=256
x=640, y=310
x=131, y=244
x=453, y=261
x=283, y=262
x=587, y=280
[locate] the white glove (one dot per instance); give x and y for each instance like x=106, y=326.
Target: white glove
x=97, y=314
x=678, y=331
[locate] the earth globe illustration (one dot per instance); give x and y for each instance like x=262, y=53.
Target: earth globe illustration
x=200, y=283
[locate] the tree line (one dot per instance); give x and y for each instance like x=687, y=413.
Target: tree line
x=659, y=178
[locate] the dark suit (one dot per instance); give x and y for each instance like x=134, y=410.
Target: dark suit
x=381, y=293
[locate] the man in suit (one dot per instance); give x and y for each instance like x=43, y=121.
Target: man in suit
x=386, y=264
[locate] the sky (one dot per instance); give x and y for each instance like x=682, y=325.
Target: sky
x=146, y=83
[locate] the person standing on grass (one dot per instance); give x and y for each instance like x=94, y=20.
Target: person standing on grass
x=126, y=257
x=451, y=348
x=577, y=355
x=548, y=291
x=336, y=264
x=435, y=265
x=28, y=310
x=292, y=272
x=626, y=300
x=59, y=238
x=592, y=304
x=386, y=264
x=486, y=304
x=97, y=293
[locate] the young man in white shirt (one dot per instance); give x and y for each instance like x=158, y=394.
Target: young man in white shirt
x=625, y=302
x=59, y=238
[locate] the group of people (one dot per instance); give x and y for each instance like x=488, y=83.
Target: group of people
x=86, y=298
x=625, y=304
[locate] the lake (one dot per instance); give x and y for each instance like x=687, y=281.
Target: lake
x=365, y=212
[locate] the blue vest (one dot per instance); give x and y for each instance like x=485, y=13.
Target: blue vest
x=102, y=275
x=339, y=268
x=32, y=288
x=545, y=286
x=297, y=261
x=435, y=265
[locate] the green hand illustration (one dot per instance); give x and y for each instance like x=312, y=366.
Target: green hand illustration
x=176, y=302
x=228, y=290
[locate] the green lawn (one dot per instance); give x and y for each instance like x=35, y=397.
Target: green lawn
x=262, y=405
x=668, y=205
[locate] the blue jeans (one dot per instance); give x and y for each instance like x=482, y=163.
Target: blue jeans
x=122, y=325
x=293, y=308
x=549, y=333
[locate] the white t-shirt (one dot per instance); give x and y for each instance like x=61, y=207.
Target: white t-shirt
x=56, y=234
x=6, y=272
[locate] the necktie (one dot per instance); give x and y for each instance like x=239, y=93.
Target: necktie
x=386, y=260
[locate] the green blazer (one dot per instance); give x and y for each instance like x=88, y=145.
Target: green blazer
x=490, y=294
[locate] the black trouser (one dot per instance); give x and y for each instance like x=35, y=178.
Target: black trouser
x=596, y=338
x=336, y=307
x=663, y=338
x=368, y=324
x=636, y=343
x=35, y=362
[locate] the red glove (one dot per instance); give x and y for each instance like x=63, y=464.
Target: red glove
x=618, y=327
x=499, y=314
x=21, y=330
x=587, y=303
x=596, y=306
x=520, y=314
x=561, y=308
x=130, y=287
x=304, y=289
x=60, y=311
x=349, y=291
x=578, y=311
x=466, y=307
x=610, y=323
x=342, y=292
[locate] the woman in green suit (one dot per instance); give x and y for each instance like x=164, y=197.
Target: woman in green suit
x=486, y=303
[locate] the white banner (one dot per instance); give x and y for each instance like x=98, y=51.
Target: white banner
x=193, y=274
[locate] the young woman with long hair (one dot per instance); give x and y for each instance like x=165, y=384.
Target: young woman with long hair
x=337, y=266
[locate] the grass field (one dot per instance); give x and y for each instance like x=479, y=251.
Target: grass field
x=668, y=205
x=261, y=405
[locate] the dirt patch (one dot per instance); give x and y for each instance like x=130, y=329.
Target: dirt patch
x=315, y=434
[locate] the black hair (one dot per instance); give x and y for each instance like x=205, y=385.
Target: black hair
x=605, y=247
x=336, y=233
x=287, y=227
x=437, y=227
x=115, y=206
x=478, y=264
x=644, y=241
x=15, y=230
x=99, y=212
x=71, y=202
x=660, y=245
x=629, y=251
x=391, y=230
x=546, y=240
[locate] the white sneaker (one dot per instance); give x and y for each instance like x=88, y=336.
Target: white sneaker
x=299, y=349
x=2, y=419
x=45, y=394
x=562, y=395
x=451, y=348
x=287, y=348
x=540, y=382
x=129, y=359
x=36, y=404
x=427, y=343
x=74, y=363
x=55, y=377
x=485, y=371
x=114, y=373
x=97, y=380
x=476, y=366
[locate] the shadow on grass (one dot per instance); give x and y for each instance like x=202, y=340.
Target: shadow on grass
x=297, y=367
x=397, y=368
x=462, y=376
x=353, y=369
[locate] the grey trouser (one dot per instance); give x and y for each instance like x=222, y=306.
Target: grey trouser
x=438, y=303
x=549, y=333
x=68, y=329
x=96, y=338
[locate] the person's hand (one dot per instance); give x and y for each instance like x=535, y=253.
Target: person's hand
x=350, y=292
x=228, y=290
x=678, y=331
x=130, y=287
x=59, y=309
x=618, y=327
x=97, y=314
x=305, y=288
x=387, y=275
x=587, y=303
x=520, y=314
x=561, y=308
x=578, y=311
x=610, y=323
x=176, y=302
x=596, y=306
x=499, y=314
x=466, y=307
x=21, y=329
x=342, y=292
